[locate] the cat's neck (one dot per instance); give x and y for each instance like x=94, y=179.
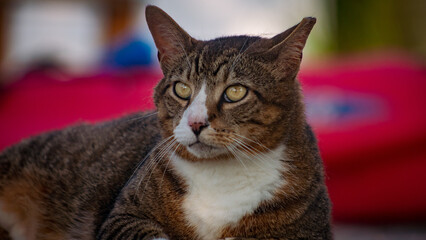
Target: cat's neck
x=221, y=192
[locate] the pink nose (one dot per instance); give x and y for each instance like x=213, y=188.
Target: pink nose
x=197, y=126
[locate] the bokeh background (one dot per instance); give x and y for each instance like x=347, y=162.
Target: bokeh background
x=64, y=62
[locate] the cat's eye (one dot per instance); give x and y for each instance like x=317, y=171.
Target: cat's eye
x=235, y=93
x=182, y=90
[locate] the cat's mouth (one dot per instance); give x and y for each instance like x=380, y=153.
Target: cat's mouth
x=199, y=144
x=203, y=150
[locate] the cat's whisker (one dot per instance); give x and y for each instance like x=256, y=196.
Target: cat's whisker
x=265, y=159
x=252, y=154
x=146, y=157
x=150, y=165
x=138, y=118
x=157, y=160
x=264, y=147
x=250, y=157
x=232, y=150
x=253, y=141
x=175, y=146
x=154, y=161
x=254, y=150
x=234, y=147
x=240, y=53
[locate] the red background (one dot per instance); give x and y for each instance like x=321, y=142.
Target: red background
x=375, y=155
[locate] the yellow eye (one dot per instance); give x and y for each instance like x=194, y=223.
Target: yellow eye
x=182, y=90
x=235, y=93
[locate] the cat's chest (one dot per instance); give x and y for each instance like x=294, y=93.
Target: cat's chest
x=220, y=193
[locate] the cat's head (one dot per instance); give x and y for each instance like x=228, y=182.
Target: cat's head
x=229, y=94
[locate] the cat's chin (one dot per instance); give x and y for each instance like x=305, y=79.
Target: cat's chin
x=202, y=150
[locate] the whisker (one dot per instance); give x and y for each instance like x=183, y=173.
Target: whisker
x=146, y=157
x=240, y=53
x=249, y=148
x=253, y=141
x=157, y=159
x=263, y=146
x=256, y=150
x=232, y=150
x=137, y=118
x=168, y=161
x=253, y=154
x=154, y=161
x=250, y=156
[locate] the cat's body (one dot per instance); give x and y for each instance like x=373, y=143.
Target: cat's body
x=64, y=183
x=229, y=154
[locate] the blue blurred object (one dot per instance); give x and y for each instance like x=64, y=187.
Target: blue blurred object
x=132, y=53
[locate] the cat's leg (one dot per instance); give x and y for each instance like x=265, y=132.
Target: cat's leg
x=132, y=218
x=128, y=226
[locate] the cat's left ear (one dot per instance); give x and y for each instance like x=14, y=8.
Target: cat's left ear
x=171, y=40
x=285, y=49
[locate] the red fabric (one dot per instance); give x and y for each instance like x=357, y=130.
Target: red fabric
x=376, y=160
x=39, y=103
x=373, y=142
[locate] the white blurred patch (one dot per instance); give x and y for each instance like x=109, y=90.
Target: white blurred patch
x=68, y=32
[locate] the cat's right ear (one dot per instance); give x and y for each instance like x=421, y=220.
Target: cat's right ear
x=171, y=40
x=284, y=51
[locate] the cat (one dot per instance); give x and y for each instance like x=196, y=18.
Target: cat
x=227, y=154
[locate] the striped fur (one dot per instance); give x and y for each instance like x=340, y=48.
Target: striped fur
x=251, y=171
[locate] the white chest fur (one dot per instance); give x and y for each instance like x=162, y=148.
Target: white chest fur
x=221, y=192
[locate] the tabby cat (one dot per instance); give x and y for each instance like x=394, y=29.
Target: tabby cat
x=227, y=154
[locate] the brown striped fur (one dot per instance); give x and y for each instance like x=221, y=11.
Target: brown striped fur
x=116, y=181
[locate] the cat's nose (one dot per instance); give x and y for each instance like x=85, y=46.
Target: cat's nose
x=198, y=126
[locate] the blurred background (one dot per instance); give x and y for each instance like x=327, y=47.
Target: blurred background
x=64, y=62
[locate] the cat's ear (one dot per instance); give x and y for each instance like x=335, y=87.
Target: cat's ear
x=171, y=40
x=285, y=49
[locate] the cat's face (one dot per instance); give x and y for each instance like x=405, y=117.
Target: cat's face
x=226, y=96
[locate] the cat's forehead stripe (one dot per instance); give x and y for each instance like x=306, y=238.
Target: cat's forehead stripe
x=195, y=65
x=215, y=71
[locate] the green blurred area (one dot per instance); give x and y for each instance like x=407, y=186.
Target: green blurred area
x=365, y=25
